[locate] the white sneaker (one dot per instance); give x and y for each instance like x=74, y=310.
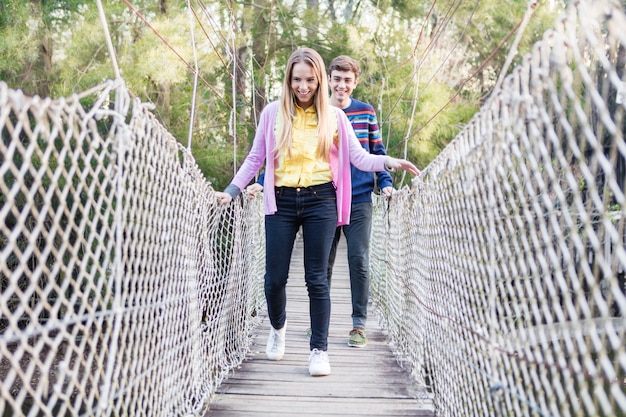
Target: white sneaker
x=318, y=363
x=276, y=343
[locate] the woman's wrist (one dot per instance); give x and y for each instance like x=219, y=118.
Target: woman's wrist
x=388, y=168
x=232, y=190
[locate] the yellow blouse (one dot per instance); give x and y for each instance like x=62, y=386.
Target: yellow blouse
x=302, y=168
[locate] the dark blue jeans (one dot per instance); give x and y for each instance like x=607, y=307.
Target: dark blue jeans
x=357, y=235
x=315, y=210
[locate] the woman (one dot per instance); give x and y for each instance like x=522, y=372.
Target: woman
x=307, y=146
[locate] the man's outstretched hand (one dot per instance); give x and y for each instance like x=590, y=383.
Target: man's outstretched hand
x=387, y=192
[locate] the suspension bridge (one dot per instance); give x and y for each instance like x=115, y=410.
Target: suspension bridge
x=497, y=276
x=364, y=382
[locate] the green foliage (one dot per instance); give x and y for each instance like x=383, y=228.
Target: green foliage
x=403, y=7
x=484, y=30
x=435, y=133
x=59, y=10
x=215, y=160
x=19, y=41
x=86, y=60
x=57, y=47
x=13, y=13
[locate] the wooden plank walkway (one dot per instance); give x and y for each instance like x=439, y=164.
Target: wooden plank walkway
x=363, y=382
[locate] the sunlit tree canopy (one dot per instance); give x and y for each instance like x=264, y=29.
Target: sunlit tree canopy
x=427, y=66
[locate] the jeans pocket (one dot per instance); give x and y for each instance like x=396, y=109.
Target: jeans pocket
x=325, y=195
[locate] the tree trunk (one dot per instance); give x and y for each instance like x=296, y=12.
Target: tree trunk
x=261, y=39
x=164, y=102
x=311, y=27
x=240, y=77
x=331, y=9
x=43, y=84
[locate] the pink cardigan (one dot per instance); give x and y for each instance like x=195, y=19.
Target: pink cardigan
x=349, y=150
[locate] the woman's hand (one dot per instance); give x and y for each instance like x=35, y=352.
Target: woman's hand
x=223, y=198
x=393, y=164
x=254, y=188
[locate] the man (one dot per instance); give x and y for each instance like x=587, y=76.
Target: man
x=343, y=78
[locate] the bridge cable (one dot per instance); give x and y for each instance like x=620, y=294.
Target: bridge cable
x=166, y=43
x=224, y=42
x=427, y=50
x=467, y=79
x=232, y=125
x=416, y=79
x=532, y=5
x=195, y=77
x=451, y=11
x=121, y=105
x=461, y=35
x=107, y=37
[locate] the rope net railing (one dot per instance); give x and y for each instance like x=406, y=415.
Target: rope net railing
x=500, y=272
x=125, y=289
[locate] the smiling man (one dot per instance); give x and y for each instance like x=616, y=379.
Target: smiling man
x=343, y=77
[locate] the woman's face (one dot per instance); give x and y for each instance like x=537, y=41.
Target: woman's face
x=304, y=84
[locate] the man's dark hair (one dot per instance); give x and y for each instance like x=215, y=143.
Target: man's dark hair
x=344, y=63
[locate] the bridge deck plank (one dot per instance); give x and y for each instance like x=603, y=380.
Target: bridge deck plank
x=364, y=382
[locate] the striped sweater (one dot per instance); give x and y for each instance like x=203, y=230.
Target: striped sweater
x=362, y=116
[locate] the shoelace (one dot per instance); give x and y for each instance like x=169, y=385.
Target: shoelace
x=360, y=332
x=317, y=354
x=276, y=340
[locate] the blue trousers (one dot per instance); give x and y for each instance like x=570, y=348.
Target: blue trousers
x=315, y=210
x=357, y=235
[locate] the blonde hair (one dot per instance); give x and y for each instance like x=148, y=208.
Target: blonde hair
x=321, y=101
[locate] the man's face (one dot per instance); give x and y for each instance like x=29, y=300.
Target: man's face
x=342, y=84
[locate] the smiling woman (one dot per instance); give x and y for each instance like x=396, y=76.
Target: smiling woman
x=304, y=84
x=308, y=146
